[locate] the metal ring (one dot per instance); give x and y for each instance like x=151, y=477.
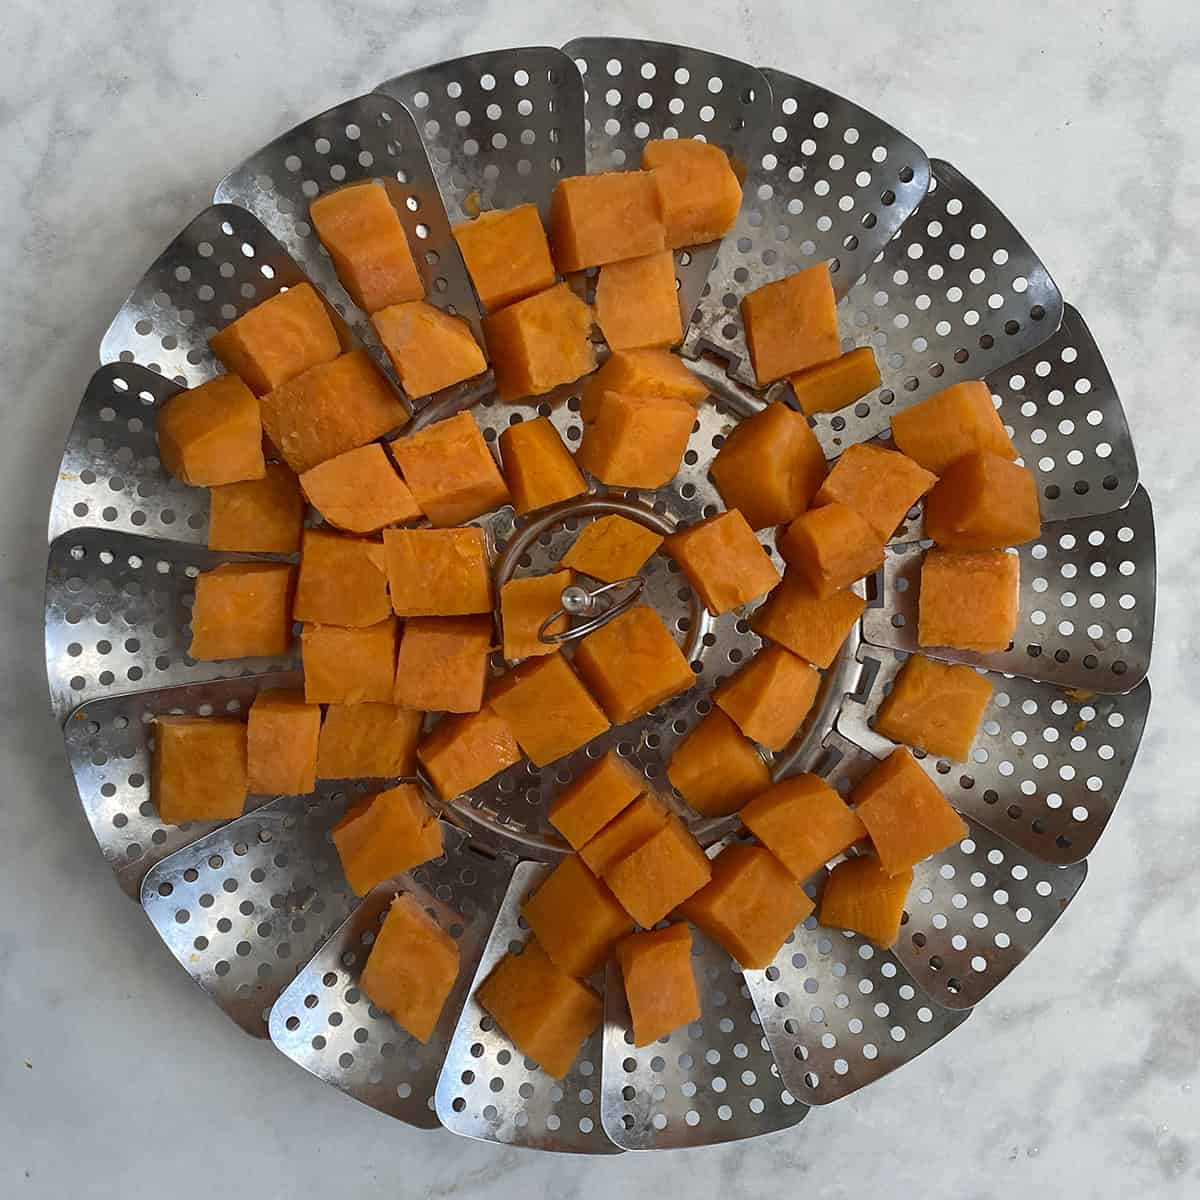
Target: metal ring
x=635, y=585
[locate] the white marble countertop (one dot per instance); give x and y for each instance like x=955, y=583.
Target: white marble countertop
x=117, y=1075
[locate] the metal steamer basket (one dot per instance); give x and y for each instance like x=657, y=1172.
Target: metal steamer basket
x=932, y=276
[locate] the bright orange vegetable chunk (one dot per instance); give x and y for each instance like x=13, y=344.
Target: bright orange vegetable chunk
x=438, y=572
x=832, y=385
x=861, y=896
x=368, y=741
x=811, y=626
x=386, y=834
x=349, y=666
x=660, y=986
x=935, y=706
x=698, y=193
x=263, y=516
x=959, y=420
x=524, y=605
x=642, y=373
x=968, y=599
x=243, y=610
x=983, y=502
x=770, y=696
x=612, y=548
x=715, y=769
x=281, y=744
x=660, y=874
x=635, y=441
x=429, y=348
x=637, y=304
x=880, y=485
x=360, y=491
x=597, y=219
x=830, y=547
x=198, y=771
x=724, y=561
x=599, y=795
x=791, y=324
x=628, y=830
x=212, y=434
x=464, y=751
x=507, y=255
x=538, y=467
x=343, y=581
x=442, y=663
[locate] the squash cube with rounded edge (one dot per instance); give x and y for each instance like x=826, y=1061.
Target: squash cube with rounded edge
x=832, y=385
x=429, y=348
x=958, y=420
x=506, y=254
x=935, y=706
x=243, y=610
x=699, y=194
x=861, y=896
x=442, y=663
x=386, y=834
x=598, y=219
x=791, y=324
x=539, y=469
x=715, y=769
x=525, y=604
x=770, y=696
x=438, y=572
x=983, y=502
x=635, y=441
x=349, y=666
x=343, y=581
x=880, y=485
x=612, y=548
x=368, y=741
x=212, y=434
x=257, y=516
x=811, y=626
x=830, y=547
x=360, y=491
x=642, y=373
x=660, y=874
x=281, y=744
x=637, y=304
x=198, y=770
x=726, y=564
x=968, y=599
x=601, y=793
x=660, y=985
x=466, y=750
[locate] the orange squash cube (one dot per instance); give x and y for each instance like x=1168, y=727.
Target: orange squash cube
x=600, y=794
x=715, y=769
x=507, y=255
x=935, y=706
x=277, y=340
x=438, y=572
x=598, y=219
x=724, y=561
x=635, y=825
x=642, y=373
x=905, y=813
x=349, y=666
x=861, y=896
x=451, y=471
x=198, y=770
x=830, y=547
x=969, y=599
x=360, y=491
x=343, y=581
x=524, y=605
x=635, y=441
x=360, y=228
x=770, y=696
x=698, y=193
x=243, y=610
x=751, y=905
x=575, y=918
x=803, y=822
x=880, y=485
x=368, y=741
x=832, y=385
x=386, y=834
x=791, y=324
x=637, y=304
x=549, y=711
x=212, y=434
x=538, y=467
x=539, y=342
x=958, y=420
x=330, y=409
x=612, y=548
x=258, y=516
x=983, y=502
x=769, y=467
x=815, y=628
x=660, y=874
x=281, y=744
x=545, y=1013
x=660, y=986
x=442, y=663
x=429, y=348
x=632, y=664
x=412, y=968
x=464, y=751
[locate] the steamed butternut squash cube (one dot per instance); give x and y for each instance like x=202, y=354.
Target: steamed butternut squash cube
x=360, y=228
x=832, y=385
x=880, y=485
x=935, y=706
x=803, y=822
x=549, y=711
x=438, y=572
x=258, y=516
x=830, y=547
x=386, y=834
x=279, y=339
x=412, y=968
x=598, y=219
x=545, y=1013
x=330, y=409
x=660, y=874
x=637, y=304
x=538, y=467
x=969, y=599
x=602, y=792
x=507, y=255
x=629, y=829
x=791, y=324
x=360, y=491
x=368, y=741
x=442, y=663
x=959, y=420
x=635, y=441
x=723, y=561
x=349, y=666
x=198, y=771
x=769, y=467
x=813, y=627
x=429, y=348
x=861, y=896
x=642, y=373
x=539, y=342
x=343, y=581
x=464, y=751
x=281, y=744
x=983, y=502
x=612, y=548
x=698, y=193
x=575, y=918
x=751, y=905
x=770, y=696
x=632, y=664
x=212, y=434
x=660, y=986
x=715, y=769
x=243, y=610
x=905, y=813
x=525, y=604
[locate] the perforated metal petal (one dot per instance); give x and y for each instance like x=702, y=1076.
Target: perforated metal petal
x=324, y=1021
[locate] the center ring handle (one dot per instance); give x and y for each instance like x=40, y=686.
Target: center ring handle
x=633, y=585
